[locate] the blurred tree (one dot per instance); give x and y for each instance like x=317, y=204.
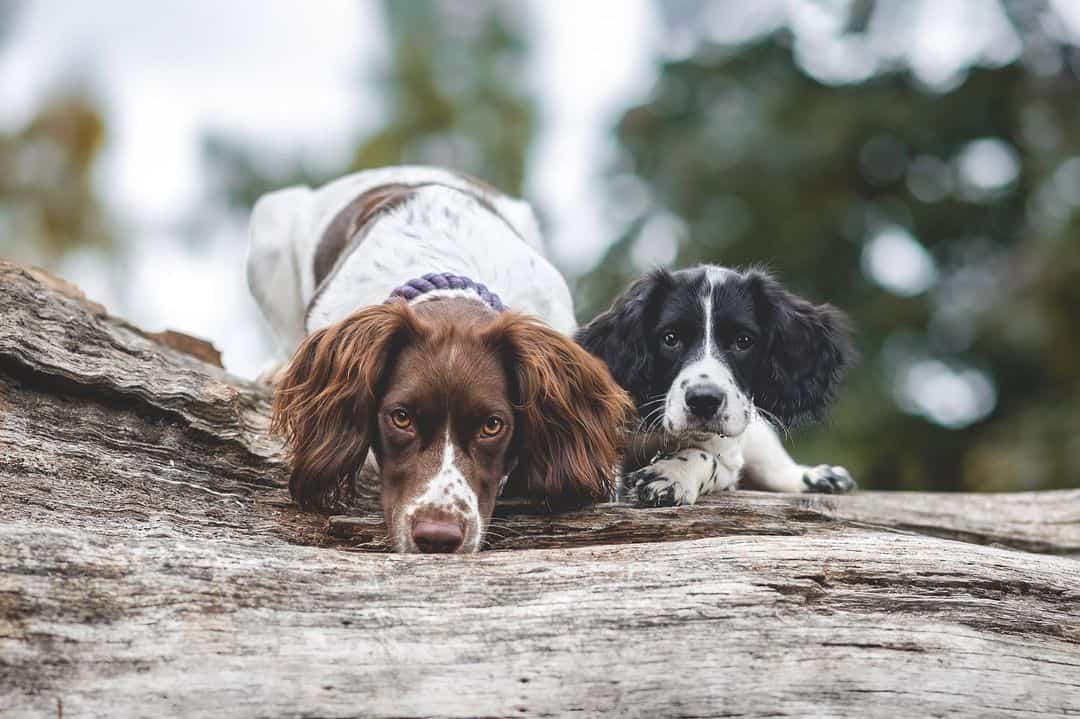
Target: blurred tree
x=936, y=204
x=48, y=202
x=453, y=97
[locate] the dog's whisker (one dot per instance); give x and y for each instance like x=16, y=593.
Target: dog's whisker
x=654, y=401
x=773, y=420
x=651, y=418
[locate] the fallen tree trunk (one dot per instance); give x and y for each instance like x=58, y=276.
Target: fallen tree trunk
x=1039, y=522
x=151, y=563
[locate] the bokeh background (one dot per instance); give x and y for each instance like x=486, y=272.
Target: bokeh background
x=915, y=162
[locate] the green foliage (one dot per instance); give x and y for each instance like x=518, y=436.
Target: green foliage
x=48, y=202
x=766, y=165
x=452, y=95
x=453, y=91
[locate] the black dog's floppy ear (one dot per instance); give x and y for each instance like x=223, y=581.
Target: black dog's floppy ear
x=808, y=349
x=618, y=335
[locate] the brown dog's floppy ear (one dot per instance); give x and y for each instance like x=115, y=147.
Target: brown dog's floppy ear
x=571, y=413
x=325, y=403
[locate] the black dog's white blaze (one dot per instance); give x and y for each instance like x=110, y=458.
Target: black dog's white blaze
x=707, y=353
x=705, y=396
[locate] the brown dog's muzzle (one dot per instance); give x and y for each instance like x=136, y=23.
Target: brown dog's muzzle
x=437, y=534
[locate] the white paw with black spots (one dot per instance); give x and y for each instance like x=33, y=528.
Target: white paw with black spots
x=664, y=483
x=828, y=479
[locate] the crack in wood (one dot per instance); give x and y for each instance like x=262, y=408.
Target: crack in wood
x=152, y=563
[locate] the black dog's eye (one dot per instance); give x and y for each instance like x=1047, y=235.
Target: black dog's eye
x=670, y=339
x=744, y=341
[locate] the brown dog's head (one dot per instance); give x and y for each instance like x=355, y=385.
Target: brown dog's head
x=452, y=400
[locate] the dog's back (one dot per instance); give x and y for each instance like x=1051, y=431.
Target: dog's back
x=315, y=255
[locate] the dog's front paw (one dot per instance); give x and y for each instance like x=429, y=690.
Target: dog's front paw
x=828, y=479
x=650, y=487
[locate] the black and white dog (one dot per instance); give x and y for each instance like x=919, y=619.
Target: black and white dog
x=713, y=359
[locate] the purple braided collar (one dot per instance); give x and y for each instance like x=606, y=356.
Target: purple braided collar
x=445, y=281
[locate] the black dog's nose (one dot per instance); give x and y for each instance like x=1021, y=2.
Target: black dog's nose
x=705, y=400
x=437, y=536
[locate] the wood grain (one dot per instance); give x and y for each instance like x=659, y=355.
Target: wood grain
x=1040, y=522
x=151, y=564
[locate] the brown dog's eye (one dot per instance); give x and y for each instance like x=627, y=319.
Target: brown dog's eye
x=492, y=426
x=401, y=419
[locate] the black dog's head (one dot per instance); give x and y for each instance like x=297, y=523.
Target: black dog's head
x=701, y=350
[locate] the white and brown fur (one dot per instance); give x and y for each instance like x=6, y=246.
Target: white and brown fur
x=444, y=398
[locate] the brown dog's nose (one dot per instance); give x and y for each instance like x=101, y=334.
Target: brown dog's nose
x=437, y=536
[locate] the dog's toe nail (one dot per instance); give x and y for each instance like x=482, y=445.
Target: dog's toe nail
x=828, y=479
x=841, y=480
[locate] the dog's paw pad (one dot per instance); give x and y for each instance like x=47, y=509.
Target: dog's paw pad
x=828, y=479
x=647, y=488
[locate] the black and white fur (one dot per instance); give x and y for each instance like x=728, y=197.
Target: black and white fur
x=713, y=359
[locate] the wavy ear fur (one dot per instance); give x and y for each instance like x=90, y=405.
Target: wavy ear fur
x=618, y=335
x=571, y=414
x=809, y=348
x=325, y=403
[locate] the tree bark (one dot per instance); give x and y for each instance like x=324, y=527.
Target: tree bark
x=152, y=564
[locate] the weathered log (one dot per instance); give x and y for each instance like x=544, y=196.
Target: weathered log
x=151, y=563
x=1040, y=522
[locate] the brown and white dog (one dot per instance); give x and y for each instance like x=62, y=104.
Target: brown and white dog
x=390, y=286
